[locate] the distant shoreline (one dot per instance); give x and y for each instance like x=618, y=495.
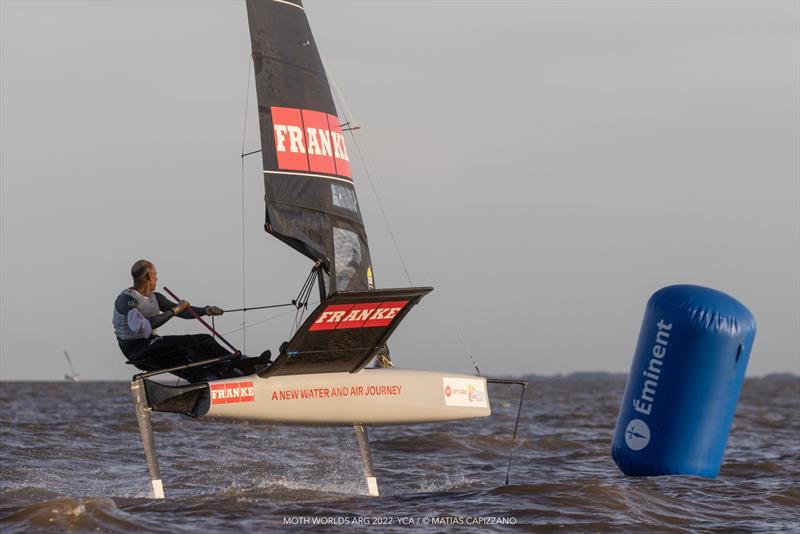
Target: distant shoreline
x=579, y=375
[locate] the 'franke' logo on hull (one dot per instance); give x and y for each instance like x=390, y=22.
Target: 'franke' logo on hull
x=235, y=392
x=309, y=141
x=341, y=316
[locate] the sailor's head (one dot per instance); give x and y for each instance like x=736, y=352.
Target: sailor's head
x=144, y=275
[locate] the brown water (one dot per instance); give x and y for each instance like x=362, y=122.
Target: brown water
x=71, y=460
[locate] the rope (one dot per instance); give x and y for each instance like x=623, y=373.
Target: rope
x=260, y=307
x=302, y=298
x=307, y=285
x=301, y=302
x=271, y=318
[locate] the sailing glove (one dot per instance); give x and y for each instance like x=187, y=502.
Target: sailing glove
x=182, y=305
x=214, y=310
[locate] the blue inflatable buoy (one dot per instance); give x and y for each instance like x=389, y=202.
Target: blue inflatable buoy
x=684, y=383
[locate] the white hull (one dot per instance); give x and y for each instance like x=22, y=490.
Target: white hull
x=368, y=397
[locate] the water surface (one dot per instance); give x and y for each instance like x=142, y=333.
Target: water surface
x=71, y=459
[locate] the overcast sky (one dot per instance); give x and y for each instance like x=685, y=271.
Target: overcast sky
x=545, y=166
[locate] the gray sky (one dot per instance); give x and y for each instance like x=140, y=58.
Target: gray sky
x=545, y=166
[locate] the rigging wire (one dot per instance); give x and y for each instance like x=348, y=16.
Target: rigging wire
x=244, y=271
x=466, y=346
x=301, y=302
x=350, y=119
x=337, y=94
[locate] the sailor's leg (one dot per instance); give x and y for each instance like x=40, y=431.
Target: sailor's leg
x=202, y=347
x=366, y=456
x=188, y=348
x=160, y=352
x=146, y=430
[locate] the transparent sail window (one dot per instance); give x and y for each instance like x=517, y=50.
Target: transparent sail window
x=347, y=252
x=344, y=197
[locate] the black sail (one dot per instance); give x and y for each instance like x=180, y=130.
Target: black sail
x=311, y=203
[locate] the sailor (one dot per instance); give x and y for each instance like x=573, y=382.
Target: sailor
x=139, y=310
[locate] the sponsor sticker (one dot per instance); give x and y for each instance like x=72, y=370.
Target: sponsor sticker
x=637, y=435
x=310, y=141
x=469, y=392
x=232, y=392
x=364, y=315
x=331, y=392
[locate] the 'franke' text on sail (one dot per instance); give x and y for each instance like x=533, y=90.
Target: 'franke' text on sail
x=310, y=141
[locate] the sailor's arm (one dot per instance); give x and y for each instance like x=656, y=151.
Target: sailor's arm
x=164, y=316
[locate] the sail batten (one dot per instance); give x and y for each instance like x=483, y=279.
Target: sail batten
x=311, y=203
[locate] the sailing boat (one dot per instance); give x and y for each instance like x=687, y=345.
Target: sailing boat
x=319, y=377
x=72, y=376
